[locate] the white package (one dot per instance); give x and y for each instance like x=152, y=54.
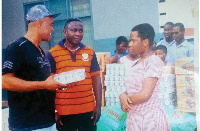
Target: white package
x=70, y=76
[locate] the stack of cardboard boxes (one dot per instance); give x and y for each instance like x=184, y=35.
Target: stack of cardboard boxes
x=184, y=70
x=103, y=58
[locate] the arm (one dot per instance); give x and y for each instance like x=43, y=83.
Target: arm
x=144, y=95
x=12, y=83
x=97, y=87
x=125, y=101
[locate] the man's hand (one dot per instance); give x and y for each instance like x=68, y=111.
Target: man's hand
x=96, y=114
x=114, y=59
x=58, y=121
x=51, y=84
x=125, y=102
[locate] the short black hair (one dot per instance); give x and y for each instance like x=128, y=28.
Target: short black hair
x=121, y=39
x=70, y=20
x=180, y=25
x=169, y=23
x=145, y=31
x=162, y=47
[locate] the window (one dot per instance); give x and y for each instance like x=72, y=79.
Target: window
x=160, y=1
x=81, y=9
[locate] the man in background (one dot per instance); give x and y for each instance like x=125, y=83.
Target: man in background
x=168, y=41
x=121, y=49
x=181, y=48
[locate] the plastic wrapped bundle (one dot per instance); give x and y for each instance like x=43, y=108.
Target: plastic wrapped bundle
x=167, y=91
x=71, y=76
x=114, y=82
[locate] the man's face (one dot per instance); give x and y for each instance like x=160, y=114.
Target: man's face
x=178, y=34
x=46, y=28
x=122, y=47
x=160, y=54
x=74, y=32
x=167, y=31
x=136, y=42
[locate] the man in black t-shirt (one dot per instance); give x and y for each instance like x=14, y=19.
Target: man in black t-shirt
x=26, y=75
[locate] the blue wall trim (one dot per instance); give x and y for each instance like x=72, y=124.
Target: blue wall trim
x=108, y=45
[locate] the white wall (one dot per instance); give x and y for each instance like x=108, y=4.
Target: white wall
x=184, y=11
x=112, y=18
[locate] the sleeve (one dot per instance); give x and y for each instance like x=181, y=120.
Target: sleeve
x=154, y=67
x=112, y=53
x=13, y=59
x=94, y=68
x=52, y=62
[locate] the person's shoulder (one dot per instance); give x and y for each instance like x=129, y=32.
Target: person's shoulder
x=57, y=47
x=123, y=58
x=112, y=53
x=161, y=42
x=155, y=59
x=18, y=43
x=88, y=48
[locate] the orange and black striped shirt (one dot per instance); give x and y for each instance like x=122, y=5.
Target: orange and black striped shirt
x=80, y=98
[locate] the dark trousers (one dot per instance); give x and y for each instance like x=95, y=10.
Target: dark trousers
x=82, y=122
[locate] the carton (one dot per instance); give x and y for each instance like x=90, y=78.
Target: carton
x=184, y=66
x=71, y=76
x=103, y=98
x=185, y=80
x=102, y=75
x=103, y=58
x=185, y=91
x=169, y=69
x=186, y=104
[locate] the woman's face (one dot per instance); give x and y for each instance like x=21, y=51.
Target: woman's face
x=136, y=46
x=130, y=48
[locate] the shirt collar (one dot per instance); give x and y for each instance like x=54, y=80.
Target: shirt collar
x=184, y=43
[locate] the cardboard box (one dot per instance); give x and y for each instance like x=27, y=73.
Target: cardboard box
x=185, y=91
x=103, y=58
x=184, y=66
x=103, y=98
x=102, y=75
x=186, y=104
x=185, y=80
x=169, y=69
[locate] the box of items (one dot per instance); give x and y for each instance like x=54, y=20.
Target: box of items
x=169, y=69
x=184, y=66
x=186, y=104
x=185, y=80
x=103, y=58
x=185, y=91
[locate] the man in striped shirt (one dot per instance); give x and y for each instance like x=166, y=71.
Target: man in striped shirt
x=79, y=106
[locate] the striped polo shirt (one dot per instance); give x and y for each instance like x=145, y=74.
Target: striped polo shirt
x=79, y=98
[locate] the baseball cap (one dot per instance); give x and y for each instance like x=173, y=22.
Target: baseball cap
x=38, y=12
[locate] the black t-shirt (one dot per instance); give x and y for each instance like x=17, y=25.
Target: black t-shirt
x=34, y=109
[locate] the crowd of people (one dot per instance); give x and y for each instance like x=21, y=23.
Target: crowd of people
x=36, y=101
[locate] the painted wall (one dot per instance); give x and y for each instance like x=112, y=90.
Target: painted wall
x=114, y=18
x=13, y=25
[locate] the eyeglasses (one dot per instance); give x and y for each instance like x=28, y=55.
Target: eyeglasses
x=174, y=33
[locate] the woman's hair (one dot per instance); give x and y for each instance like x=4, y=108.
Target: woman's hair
x=145, y=31
x=162, y=47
